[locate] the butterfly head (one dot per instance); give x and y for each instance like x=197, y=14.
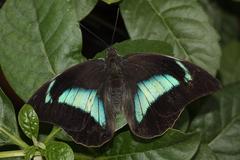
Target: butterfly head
x=113, y=59
x=111, y=52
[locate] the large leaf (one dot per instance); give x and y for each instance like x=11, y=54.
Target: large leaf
x=219, y=123
x=230, y=65
x=181, y=23
x=204, y=153
x=38, y=39
x=28, y=121
x=111, y=1
x=173, y=145
x=227, y=144
x=7, y=119
x=83, y=7
x=219, y=18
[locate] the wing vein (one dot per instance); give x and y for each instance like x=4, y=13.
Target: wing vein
x=140, y=104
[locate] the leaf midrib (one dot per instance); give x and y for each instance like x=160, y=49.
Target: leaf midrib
x=51, y=69
x=169, y=29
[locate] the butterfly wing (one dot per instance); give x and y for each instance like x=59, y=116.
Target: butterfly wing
x=159, y=88
x=75, y=101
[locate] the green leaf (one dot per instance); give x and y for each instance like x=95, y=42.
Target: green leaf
x=217, y=112
x=219, y=18
x=30, y=152
x=28, y=121
x=7, y=119
x=63, y=136
x=120, y=121
x=204, y=153
x=14, y=158
x=52, y=134
x=83, y=7
x=172, y=145
x=230, y=65
x=182, y=23
x=227, y=143
x=137, y=46
x=111, y=1
x=219, y=122
x=58, y=151
x=38, y=39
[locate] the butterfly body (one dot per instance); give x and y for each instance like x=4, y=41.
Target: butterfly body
x=150, y=90
x=115, y=80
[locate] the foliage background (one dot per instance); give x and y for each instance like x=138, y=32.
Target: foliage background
x=39, y=39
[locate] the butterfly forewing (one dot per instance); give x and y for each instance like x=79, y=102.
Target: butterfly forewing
x=151, y=90
x=159, y=88
x=75, y=101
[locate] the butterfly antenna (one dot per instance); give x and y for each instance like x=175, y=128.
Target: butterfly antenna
x=115, y=25
x=96, y=36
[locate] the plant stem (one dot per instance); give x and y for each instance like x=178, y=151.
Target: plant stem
x=15, y=139
x=8, y=154
x=54, y=131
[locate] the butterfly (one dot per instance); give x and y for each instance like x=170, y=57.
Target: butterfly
x=150, y=90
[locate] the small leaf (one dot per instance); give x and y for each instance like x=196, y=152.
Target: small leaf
x=172, y=145
x=63, y=136
x=182, y=23
x=111, y=1
x=38, y=40
x=7, y=119
x=28, y=121
x=30, y=152
x=58, y=151
x=137, y=46
x=230, y=65
x=120, y=121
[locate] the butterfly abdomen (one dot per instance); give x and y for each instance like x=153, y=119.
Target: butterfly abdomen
x=116, y=91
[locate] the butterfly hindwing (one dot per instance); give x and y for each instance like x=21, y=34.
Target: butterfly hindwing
x=75, y=101
x=159, y=88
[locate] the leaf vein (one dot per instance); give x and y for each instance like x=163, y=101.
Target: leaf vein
x=169, y=30
x=224, y=129
x=43, y=45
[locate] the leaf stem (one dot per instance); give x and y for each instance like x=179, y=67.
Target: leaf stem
x=8, y=154
x=54, y=131
x=15, y=139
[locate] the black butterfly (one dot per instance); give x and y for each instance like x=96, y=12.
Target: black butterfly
x=150, y=90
